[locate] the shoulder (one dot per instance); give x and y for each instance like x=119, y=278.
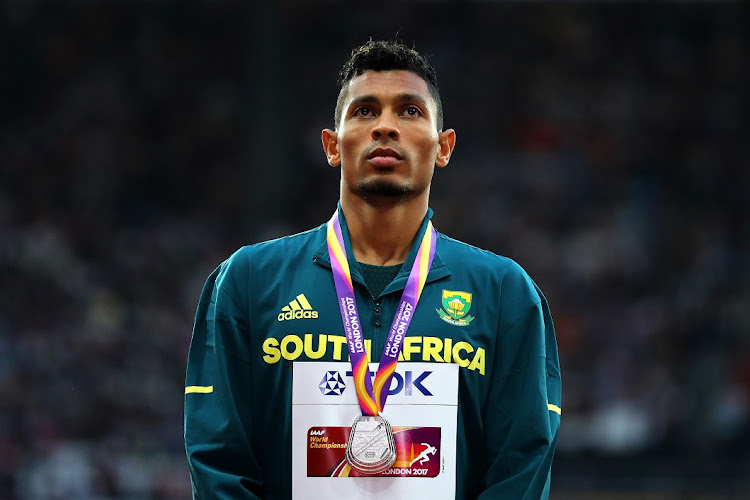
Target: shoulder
x=501, y=274
x=271, y=254
x=459, y=254
x=278, y=248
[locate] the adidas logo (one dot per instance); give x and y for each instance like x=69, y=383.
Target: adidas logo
x=299, y=308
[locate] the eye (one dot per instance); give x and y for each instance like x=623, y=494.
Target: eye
x=362, y=111
x=413, y=111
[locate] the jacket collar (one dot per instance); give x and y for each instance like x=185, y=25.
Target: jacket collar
x=438, y=269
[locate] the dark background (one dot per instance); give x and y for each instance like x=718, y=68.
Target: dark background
x=602, y=145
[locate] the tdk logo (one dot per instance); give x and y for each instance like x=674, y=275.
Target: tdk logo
x=406, y=383
x=332, y=384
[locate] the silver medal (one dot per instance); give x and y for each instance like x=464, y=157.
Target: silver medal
x=371, y=448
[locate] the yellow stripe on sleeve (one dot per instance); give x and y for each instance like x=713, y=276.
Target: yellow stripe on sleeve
x=200, y=389
x=554, y=408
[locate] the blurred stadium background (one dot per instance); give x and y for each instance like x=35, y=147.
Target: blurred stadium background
x=603, y=145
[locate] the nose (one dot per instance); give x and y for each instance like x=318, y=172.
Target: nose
x=385, y=127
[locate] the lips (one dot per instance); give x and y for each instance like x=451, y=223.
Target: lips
x=384, y=157
x=384, y=152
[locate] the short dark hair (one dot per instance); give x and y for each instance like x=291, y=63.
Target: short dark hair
x=384, y=55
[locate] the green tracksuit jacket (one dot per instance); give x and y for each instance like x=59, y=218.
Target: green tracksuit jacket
x=274, y=303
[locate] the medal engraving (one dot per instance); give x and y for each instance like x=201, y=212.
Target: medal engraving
x=371, y=448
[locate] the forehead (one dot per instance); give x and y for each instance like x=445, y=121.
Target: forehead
x=388, y=85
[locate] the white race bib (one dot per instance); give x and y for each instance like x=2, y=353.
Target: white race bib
x=422, y=408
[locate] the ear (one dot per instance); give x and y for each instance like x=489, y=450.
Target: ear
x=446, y=143
x=330, y=140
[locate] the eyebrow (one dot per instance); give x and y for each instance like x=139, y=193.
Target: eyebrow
x=368, y=99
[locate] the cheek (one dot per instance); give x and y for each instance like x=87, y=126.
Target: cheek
x=348, y=156
x=430, y=148
x=349, y=145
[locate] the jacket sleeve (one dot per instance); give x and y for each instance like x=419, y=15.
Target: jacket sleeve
x=522, y=414
x=217, y=400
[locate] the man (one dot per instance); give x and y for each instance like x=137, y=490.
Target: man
x=377, y=279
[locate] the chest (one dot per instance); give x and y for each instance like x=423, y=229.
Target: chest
x=298, y=319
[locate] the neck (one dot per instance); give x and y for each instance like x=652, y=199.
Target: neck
x=383, y=235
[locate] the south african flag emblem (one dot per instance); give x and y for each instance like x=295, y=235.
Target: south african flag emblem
x=456, y=305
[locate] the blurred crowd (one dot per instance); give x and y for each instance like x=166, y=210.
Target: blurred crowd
x=604, y=148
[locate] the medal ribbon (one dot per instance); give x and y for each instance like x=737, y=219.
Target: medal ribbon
x=372, y=395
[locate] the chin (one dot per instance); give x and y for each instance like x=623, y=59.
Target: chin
x=381, y=192
x=383, y=188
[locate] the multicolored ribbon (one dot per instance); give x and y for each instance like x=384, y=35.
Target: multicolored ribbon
x=372, y=395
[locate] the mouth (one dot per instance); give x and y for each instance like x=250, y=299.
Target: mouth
x=384, y=157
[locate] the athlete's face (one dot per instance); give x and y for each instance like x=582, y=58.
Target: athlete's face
x=387, y=143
